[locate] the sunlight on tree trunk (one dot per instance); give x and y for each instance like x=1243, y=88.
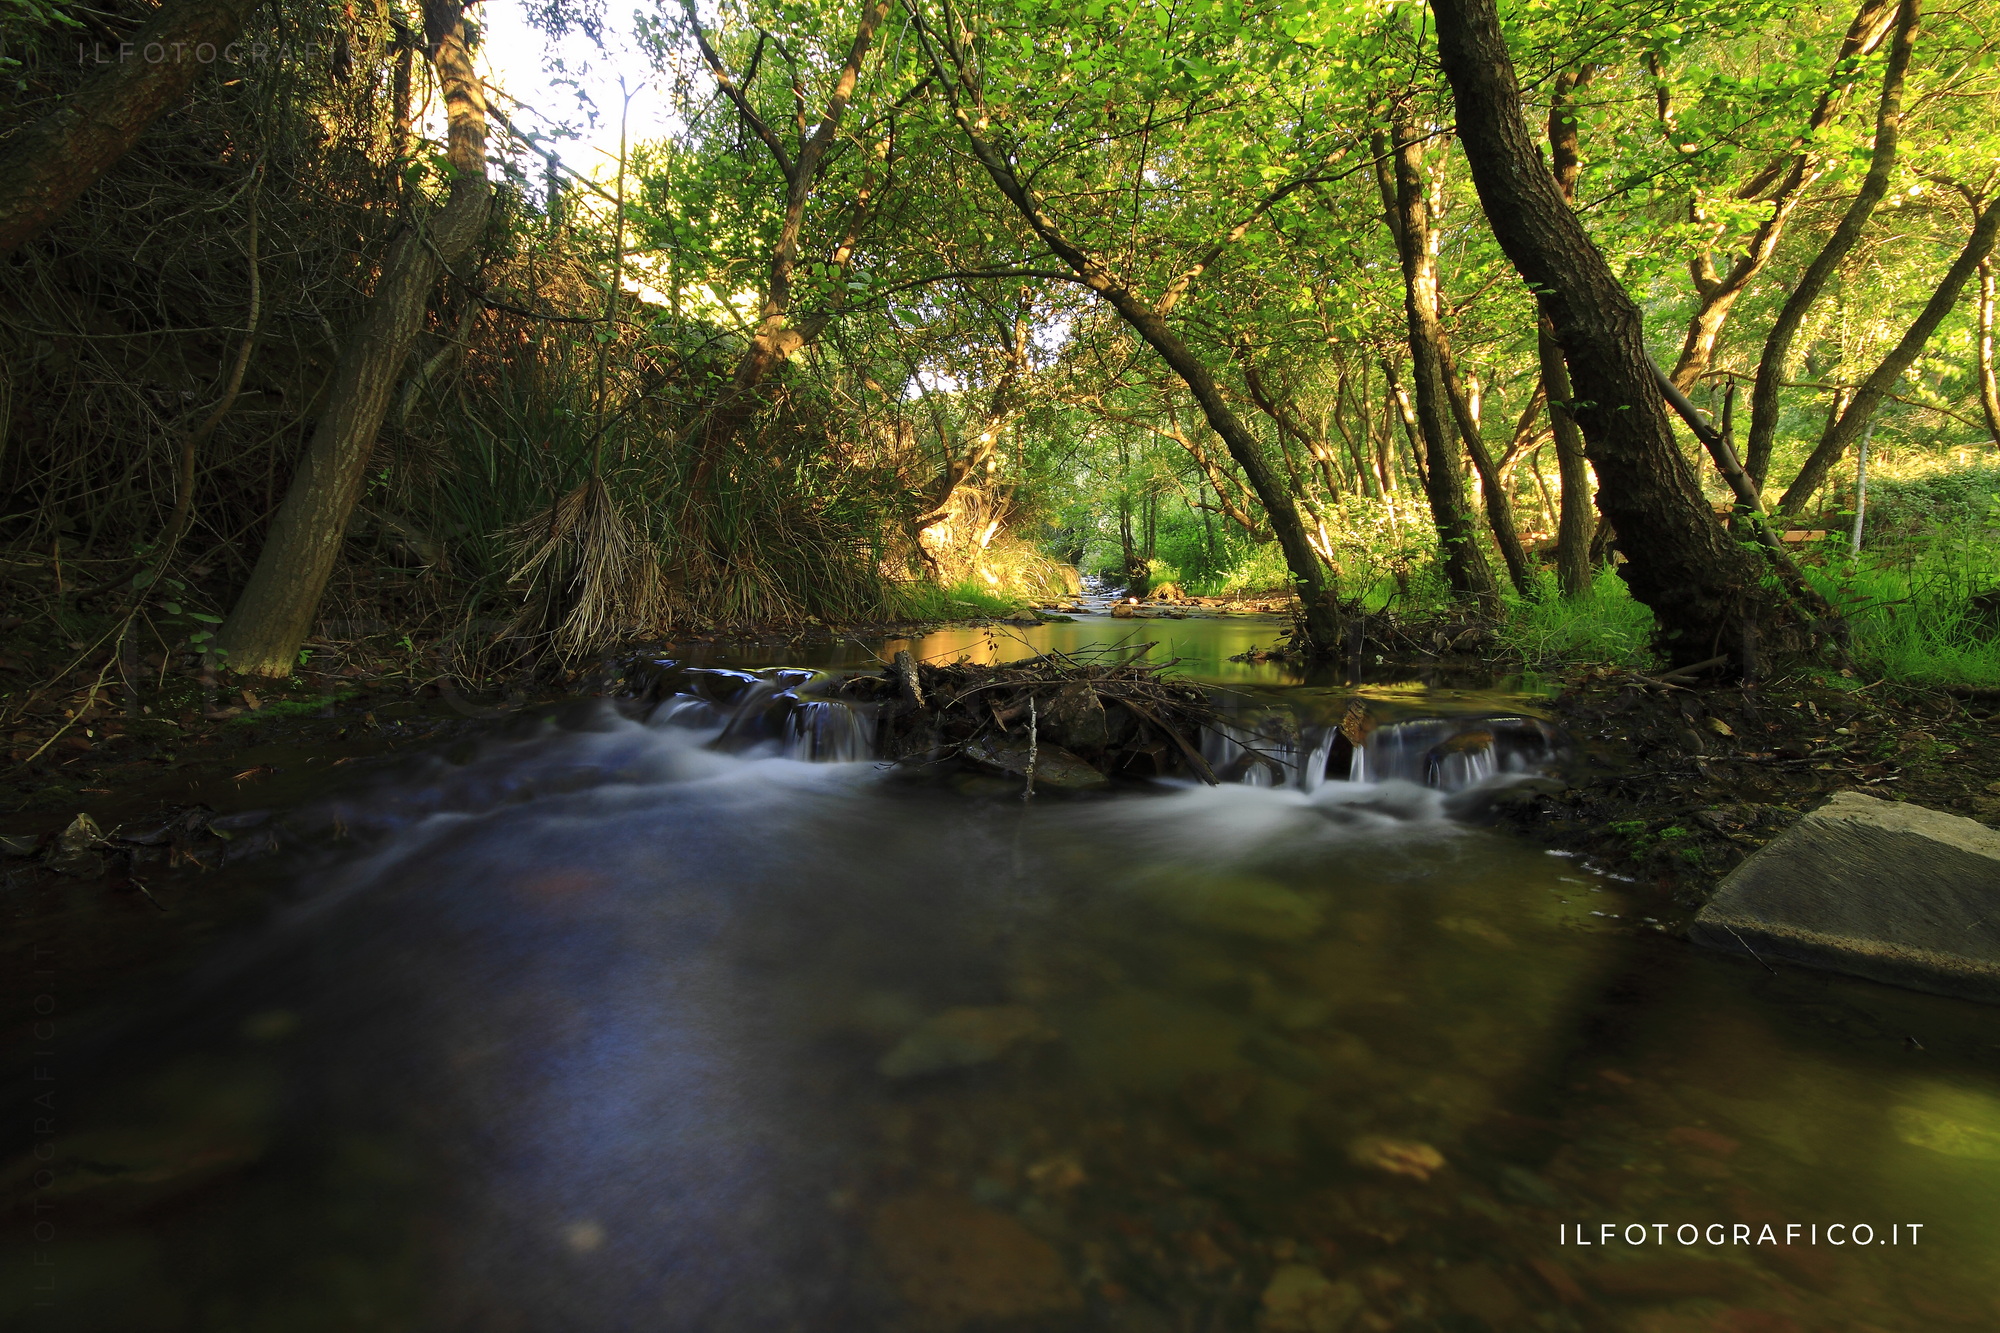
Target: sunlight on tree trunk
x=275, y=612
x=1702, y=587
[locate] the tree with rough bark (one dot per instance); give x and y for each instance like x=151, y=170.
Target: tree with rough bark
x=275, y=611
x=1577, y=521
x=960, y=75
x=1707, y=594
x=47, y=167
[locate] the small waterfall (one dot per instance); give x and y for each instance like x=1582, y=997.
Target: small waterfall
x=773, y=709
x=1446, y=753
x=1452, y=754
x=784, y=711
x=827, y=732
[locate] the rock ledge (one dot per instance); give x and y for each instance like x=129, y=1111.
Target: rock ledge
x=1879, y=889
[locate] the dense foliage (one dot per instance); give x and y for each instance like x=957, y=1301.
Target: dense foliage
x=813, y=357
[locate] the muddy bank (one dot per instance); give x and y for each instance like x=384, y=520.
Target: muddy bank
x=1674, y=786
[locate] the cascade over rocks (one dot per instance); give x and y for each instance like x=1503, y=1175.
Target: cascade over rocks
x=1069, y=720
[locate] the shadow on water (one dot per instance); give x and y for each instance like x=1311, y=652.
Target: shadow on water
x=603, y=1027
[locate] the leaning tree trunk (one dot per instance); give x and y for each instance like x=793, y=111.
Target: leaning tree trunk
x=1764, y=397
x=47, y=167
x=275, y=613
x=1698, y=582
x=1577, y=523
x=1465, y=567
x=1847, y=428
x=1780, y=187
x=779, y=336
x=1989, y=385
x=1321, y=615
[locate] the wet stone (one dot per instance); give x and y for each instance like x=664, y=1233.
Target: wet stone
x=1397, y=1157
x=1240, y=904
x=962, y=1037
x=1053, y=766
x=1879, y=889
x=957, y=1263
x=1301, y=1299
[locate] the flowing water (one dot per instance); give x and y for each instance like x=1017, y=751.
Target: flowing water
x=698, y=1020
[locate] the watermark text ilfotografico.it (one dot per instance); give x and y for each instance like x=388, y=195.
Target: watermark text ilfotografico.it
x=1737, y=1233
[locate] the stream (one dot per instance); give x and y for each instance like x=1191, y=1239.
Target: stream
x=661, y=1020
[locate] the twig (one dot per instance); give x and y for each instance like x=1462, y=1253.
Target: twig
x=1195, y=761
x=1752, y=952
x=1694, y=670
x=140, y=885
x=1034, y=738
x=82, y=712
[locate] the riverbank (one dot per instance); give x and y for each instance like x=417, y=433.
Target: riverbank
x=1675, y=786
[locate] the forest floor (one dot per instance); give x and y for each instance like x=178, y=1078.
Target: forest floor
x=1675, y=786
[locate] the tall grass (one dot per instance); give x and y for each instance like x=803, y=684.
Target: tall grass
x=1909, y=611
x=1608, y=628
x=1910, y=607
x=583, y=526
x=923, y=600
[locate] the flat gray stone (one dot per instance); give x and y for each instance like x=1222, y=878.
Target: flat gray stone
x=1878, y=889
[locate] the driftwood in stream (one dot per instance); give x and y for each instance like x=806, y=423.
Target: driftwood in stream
x=1057, y=720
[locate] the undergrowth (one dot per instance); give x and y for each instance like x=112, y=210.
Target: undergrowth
x=1608, y=628
x=931, y=601
x=1912, y=611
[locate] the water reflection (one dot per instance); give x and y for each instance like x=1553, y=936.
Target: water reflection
x=615, y=1031
x=1204, y=645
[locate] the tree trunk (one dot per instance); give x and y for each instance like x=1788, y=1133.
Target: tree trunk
x=1408, y=211
x=47, y=167
x=1321, y=616
x=1764, y=399
x=1492, y=484
x=1878, y=385
x=1576, y=522
x=275, y=613
x=778, y=337
x=1576, y=526
x=1698, y=582
x=1989, y=388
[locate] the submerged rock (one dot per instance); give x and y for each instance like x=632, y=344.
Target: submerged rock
x=1398, y=1157
x=957, y=1263
x=1879, y=889
x=1053, y=765
x=1301, y=1299
x=76, y=849
x=962, y=1037
x=1240, y=904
